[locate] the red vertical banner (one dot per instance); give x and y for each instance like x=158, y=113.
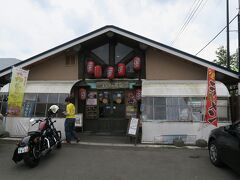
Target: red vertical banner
x=211, y=99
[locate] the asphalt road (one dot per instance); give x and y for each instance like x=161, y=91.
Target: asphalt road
x=115, y=163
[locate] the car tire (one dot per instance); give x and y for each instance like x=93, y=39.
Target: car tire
x=214, y=154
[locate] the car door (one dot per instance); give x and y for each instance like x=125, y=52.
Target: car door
x=231, y=148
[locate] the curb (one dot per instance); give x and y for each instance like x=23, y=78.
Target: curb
x=119, y=145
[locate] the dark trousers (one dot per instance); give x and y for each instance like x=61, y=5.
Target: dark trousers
x=70, y=129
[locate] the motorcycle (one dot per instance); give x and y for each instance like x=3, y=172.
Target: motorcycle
x=39, y=143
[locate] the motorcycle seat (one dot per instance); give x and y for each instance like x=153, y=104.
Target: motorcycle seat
x=36, y=133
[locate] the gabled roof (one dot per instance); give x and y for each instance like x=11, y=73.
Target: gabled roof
x=6, y=62
x=127, y=34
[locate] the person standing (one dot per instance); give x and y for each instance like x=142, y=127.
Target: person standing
x=70, y=121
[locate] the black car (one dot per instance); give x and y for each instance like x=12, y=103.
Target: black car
x=224, y=146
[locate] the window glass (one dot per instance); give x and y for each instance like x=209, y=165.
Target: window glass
x=159, y=108
x=29, y=103
x=37, y=104
x=62, y=98
x=178, y=108
x=197, y=107
x=62, y=107
x=147, y=108
x=129, y=67
x=121, y=51
x=30, y=97
x=40, y=110
x=118, y=97
x=172, y=109
x=53, y=98
x=222, y=110
x=41, y=105
x=28, y=108
x=42, y=98
x=102, y=52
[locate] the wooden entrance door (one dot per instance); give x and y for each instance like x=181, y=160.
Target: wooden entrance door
x=112, y=111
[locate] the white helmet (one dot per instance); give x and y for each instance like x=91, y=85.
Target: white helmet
x=53, y=109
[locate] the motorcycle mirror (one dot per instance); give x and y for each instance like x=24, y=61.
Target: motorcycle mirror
x=32, y=120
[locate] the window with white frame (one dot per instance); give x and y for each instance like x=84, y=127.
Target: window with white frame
x=180, y=108
x=37, y=105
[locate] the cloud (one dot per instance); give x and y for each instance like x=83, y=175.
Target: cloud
x=30, y=27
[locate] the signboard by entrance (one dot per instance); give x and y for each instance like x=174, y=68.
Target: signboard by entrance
x=112, y=85
x=133, y=127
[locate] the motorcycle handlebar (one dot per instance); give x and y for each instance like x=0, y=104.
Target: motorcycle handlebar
x=39, y=120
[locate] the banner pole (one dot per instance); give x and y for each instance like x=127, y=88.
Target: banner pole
x=5, y=115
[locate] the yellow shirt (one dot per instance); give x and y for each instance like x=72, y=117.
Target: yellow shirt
x=70, y=109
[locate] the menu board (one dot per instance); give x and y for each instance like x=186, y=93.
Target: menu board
x=133, y=127
x=91, y=105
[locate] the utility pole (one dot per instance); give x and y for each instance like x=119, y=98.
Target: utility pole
x=228, y=48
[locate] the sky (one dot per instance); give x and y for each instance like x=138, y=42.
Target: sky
x=30, y=27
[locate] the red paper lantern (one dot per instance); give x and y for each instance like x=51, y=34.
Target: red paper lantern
x=97, y=71
x=136, y=63
x=110, y=72
x=90, y=67
x=121, y=70
x=138, y=94
x=82, y=93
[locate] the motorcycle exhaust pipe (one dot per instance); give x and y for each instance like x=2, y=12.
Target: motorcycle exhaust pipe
x=48, y=143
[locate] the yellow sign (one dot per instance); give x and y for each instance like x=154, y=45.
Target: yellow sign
x=16, y=91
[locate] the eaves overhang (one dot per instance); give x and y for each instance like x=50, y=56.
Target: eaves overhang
x=127, y=34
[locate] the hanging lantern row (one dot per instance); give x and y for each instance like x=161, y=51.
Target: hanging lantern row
x=96, y=70
x=110, y=72
x=82, y=93
x=90, y=67
x=121, y=70
x=136, y=63
x=138, y=94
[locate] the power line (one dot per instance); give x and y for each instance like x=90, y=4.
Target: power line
x=186, y=18
x=200, y=9
x=215, y=36
x=195, y=6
